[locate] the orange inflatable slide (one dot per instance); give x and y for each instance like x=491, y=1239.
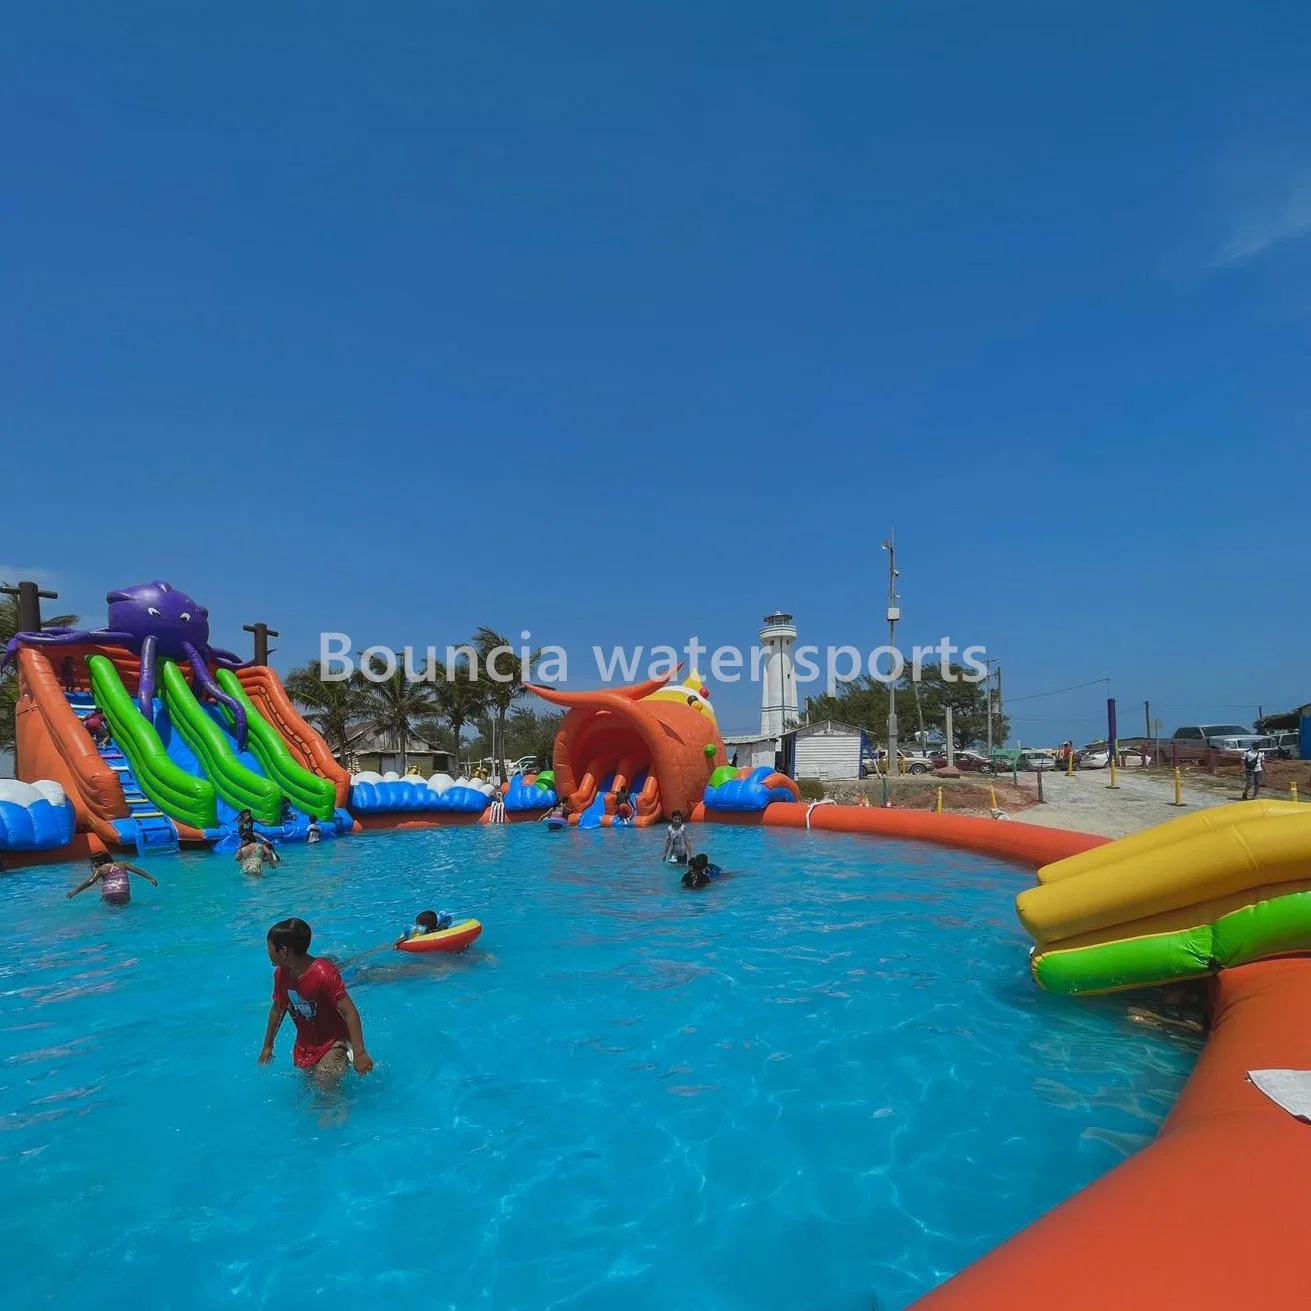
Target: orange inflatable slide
x=658, y=740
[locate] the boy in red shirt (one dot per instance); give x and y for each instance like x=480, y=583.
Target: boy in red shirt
x=328, y=1028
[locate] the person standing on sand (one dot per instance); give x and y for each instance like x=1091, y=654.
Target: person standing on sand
x=1253, y=772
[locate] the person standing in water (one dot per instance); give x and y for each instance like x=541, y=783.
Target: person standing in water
x=677, y=848
x=112, y=875
x=329, y=1032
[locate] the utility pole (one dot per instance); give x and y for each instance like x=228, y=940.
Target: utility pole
x=29, y=596
x=1147, y=719
x=894, y=613
x=262, y=634
x=987, y=686
x=999, y=714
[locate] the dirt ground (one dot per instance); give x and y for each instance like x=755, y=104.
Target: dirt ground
x=1085, y=802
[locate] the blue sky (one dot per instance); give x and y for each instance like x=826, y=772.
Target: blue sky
x=627, y=322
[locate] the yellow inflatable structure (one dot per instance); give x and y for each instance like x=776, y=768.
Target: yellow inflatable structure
x=1179, y=901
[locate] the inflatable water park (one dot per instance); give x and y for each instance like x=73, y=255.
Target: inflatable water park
x=142, y=737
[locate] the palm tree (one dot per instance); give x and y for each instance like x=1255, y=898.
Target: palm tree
x=394, y=707
x=460, y=700
x=334, y=708
x=502, y=692
x=9, y=679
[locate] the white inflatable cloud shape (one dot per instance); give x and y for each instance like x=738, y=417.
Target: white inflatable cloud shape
x=440, y=783
x=24, y=794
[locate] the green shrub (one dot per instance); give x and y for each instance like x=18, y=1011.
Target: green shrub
x=811, y=789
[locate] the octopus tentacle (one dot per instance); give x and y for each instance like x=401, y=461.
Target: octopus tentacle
x=229, y=659
x=206, y=680
x=146, y=680
x=58, y=636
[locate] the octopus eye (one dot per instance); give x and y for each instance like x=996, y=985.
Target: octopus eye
x=152, y=612
x=184, y=616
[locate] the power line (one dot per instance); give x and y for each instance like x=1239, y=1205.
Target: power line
x=1056, y=691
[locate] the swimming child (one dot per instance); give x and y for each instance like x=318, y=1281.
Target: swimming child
x=426, y=921
x=677, y=848
x=314, y=833
x=112, y=875
x=700, y=872
x=254, y=851
x=329, y=1032
x=623, y=804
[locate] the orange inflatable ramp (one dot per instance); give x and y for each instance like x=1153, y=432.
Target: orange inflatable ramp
x=1215, y=1213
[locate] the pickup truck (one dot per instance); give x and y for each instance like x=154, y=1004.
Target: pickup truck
x=1221, y=743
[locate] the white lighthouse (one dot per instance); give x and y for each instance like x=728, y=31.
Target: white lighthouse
x=778, y=692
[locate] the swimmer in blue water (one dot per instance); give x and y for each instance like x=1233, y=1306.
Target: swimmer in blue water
x=700, y=872
x=426, y=921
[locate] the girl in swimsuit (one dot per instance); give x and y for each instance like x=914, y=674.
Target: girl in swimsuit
x=112, y=875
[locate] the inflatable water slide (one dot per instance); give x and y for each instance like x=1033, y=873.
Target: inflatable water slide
x=190, y=737
x=660, y=742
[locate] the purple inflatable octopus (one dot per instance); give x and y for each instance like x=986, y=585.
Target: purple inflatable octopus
x=155, y=622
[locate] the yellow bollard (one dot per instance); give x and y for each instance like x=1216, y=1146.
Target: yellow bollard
x=1113, y=783
x=1069, y=765
x=1178, y=788
x=1292, y=790
x=992, y=795
x=938, y=807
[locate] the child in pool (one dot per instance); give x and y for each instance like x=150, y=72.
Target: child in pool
x=677, y=848
x=253, y=852
x=426, y=921
x=700, y=872
x=623, y=804
x=329, y=1032
x=313, y=833
x=112, y=875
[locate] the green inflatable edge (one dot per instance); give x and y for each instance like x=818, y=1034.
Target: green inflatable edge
x=722, y=775
x=1273, y=927
x=179, y=795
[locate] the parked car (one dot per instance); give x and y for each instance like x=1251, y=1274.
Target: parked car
x=968, y=762
x=1098, y=756
x=908, y=762
x=1286, y=745
x=1198, y=741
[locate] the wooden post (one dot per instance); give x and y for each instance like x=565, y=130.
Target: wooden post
x=1041, y=798
x=262, y=634
x=951, y=740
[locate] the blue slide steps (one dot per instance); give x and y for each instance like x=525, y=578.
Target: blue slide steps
x=147, y=827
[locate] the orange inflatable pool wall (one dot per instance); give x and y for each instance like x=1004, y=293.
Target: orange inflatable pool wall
x=649, y=728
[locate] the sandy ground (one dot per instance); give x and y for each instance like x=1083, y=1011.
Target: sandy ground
x=1087, y=804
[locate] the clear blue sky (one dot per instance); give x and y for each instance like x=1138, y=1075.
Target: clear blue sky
x=628, y=321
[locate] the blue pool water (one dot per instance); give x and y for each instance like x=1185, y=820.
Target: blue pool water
x=826, y=1083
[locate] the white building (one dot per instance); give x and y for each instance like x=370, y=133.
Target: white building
x=748, y=751
x=778, y=689
x=825, y=750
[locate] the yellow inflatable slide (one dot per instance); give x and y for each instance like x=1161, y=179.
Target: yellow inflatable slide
x=1219, y=888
